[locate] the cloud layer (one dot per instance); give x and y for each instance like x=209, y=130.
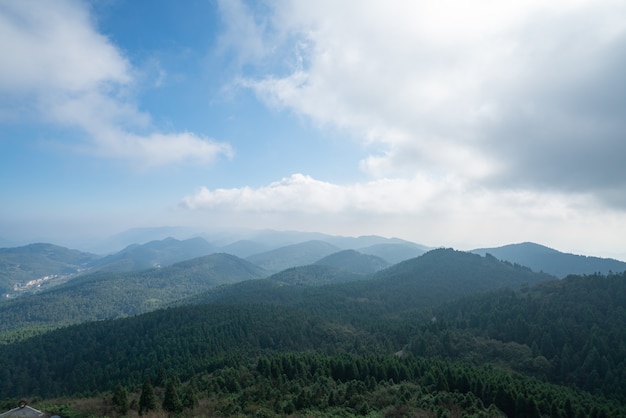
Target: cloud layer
x=522, y=95
x=500, y=119
x=61, y=69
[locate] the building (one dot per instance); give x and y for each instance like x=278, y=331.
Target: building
x=23, y=411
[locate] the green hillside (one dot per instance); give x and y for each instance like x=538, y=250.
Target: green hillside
x=36, y=261
x=572, y=330
x=550, y=349
x=434, y=278
x=105, y=295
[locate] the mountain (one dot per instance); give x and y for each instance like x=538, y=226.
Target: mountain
x=362, y=241
x=39, y=263
x=548, y=260
x=354, y=262
x=293, y=255
x=439, y=276
x=245, y=248
x=103, y=295
x=554, y=349
x=394, y=253
x=159, y=253
x=448, y=333
x=434, y=278
x=222, y=237
x=140, y=236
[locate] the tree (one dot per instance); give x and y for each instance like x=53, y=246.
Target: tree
x=147, y=400
x=120, y=399
x=171, y=400
x=189, y=397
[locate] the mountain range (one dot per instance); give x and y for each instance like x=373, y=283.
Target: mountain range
x=34, y=267
x=313, y=328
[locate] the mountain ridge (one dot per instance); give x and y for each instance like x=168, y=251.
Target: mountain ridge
x=541, y=258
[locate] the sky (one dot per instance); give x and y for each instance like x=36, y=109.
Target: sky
x=447, y=123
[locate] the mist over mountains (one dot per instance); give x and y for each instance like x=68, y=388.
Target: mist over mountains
x=273, y=251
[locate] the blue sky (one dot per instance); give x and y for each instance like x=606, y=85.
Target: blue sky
x=448, y=123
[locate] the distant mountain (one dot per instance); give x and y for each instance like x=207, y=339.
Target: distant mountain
x=140, y=236
x=395, y=253
x=294, y=255
x=548, y=260
x=362, y=241
x=245, y=248
x=436, y=277
x=154, y=254
x=37, y=261
x=439, y=276
x=103, y=295
x=354, y=262
x=238, y=241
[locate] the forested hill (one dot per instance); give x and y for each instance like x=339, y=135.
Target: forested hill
x=354, y=261
x=572, y=330
x=34, y=261
x=551, y=261
x=106, y=295
x=426, y=281
x=242, y=359
x=447, y=274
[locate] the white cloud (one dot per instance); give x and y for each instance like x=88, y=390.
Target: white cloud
x=489, y=122
x=387, y=196
x=510, y=94
x=54, y=46
x=445, y=212
x=303, y=194
x=76, y=77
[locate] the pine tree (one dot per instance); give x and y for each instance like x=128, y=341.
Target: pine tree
x=171, y=400
x=147, y=400
x=120, y=399
x=189, y=397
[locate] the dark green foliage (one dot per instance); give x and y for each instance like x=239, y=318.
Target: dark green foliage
x=355, y=385
x=576, y=326
x=171, y=399
x=120, y=399
x=147, y=400
x=96, y=356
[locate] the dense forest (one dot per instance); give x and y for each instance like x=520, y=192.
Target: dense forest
x=446, y=334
